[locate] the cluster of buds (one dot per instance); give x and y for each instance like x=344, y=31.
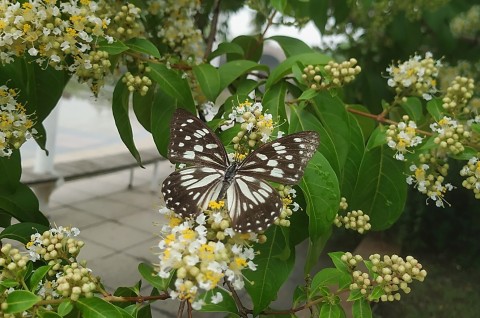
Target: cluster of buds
x=139, y=83
x=75, y=280
x=256, y=126
x=402, y=136
x=430, y=183
x=176, y=26
x=458, y=94
x=12, y=263
x=125, y=24
x=450, y=135
x=204, y=251
x=334, y=74
x=15, y=124
x=415, y=77
x=466, y=24
x=55, y=244
x=472, y=173
x=354, y=220
x=391, y=273
x=287, y=193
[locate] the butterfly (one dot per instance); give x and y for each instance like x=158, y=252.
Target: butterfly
x=253, y=204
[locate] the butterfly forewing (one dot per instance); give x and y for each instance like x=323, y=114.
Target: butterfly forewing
x=191, y=141
x=282, y=160
x=188, y=191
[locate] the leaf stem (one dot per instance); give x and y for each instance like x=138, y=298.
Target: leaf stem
x=180, y=309
x=242, y=311
x=213, y=28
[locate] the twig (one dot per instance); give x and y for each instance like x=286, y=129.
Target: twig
x=189, y=307
x=242, y=311
x=213, y=28
x=180, y=309
x=269, y=23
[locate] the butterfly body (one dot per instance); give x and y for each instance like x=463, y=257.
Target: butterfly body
x=253, y=204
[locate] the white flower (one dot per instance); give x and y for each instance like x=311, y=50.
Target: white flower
x=217, y=298
x=197, y=305
x=33, y=51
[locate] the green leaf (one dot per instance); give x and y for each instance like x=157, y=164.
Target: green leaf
x=278, y=5
x=208, y=78
x=319, y=14
x=8, y=283
x=122, y=120
x=291, y=46
x=246, y=86
x=308, y=94
x=149, y=274
x=252, y=47
x=143, y=46
x=113, y=48
x=98, y=308
x=48, y=314
x=230, y=71
x=330, y=311
x=285, y=67
x=162, y=111
x=466, y=154
x=65, y=307
x=434, y=108
x=361, y=309
x=377, y=138
x=173, y=84
x=22, y=205
x=144, y=312
x=377, y=292
x=366, y=124
x=337, y=261
x=475, y=127
x=226, y=48
x=272, y=270
x=274, y=102
x=355, y=294
x=21, y=300
x=10, y=170
x=21, y=232
x=380, y=189
x=414, y=108
x=226, y=305
x=326, y=277
x=38, y=276
x=142, y=107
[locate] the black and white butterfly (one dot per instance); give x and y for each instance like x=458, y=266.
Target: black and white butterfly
x=253, y=204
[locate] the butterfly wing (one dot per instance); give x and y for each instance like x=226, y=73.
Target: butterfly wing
x=253, y=204
x=188, y=191
x=192, y=142
x=282, y=160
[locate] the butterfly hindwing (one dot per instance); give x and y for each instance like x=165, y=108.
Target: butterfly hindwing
x=253, y=204
x=189, y=190
x=282, y=160
x=191, y=141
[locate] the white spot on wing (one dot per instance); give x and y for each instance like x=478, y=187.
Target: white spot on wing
x=289, y=157
x=291, y=165
x=297, y=139
x=276, y=172
x=272, y=163
x=261, y=156
x=188, y=137
x=189, y=154
x=190, y=120
x=198, y=148
x=211, y=146
x=181, y=144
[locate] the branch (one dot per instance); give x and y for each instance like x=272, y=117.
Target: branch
x=213, y=28
x=242, y=311
x=180, y=309
x=269, y=23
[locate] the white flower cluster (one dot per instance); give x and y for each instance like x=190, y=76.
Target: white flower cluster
x=402, y=136
x=466, y=24
x=15, y=124
x=450, y=136
x=176, y=27
x=201, y=257
x=417, y=76
x=430, y=184
x=57, y=243
x=472, y=173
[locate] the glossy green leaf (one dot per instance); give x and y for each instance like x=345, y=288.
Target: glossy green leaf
x=414, y=108
x=355, y=295
x=48, y=314
x=361, y=309
x=10, y=170
x=162, y=111
x=467, y=154
x=366, y=124
x=434, y=108
x=21, y=300
x=122, y=119
x=172, y=83
x=279, y=5
x=8, y=283
x=208, y=78
x=272, y=270
x=113, y=48
x=230, y=71
x=22, y=205
x=143, y=46
x=319, y=14
x=326, y=277
x=38, y=276
x=330, y=311
x=226, y=305
x=65, y=307
x=380, y=189
x=291, y=46
x=475, y=127
x=377, y=138
x=285, y=67
x=308, y=94
x=377, y=292
x=274, y=103
x=246, y=86
x=337, y=261
x=144, y=312
x=142, y=107
x=252, y=47
x=98, y=308
x=226, y=48
x=21, y=232
x=149, y=274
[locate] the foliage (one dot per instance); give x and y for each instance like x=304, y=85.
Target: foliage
x=377, y=137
